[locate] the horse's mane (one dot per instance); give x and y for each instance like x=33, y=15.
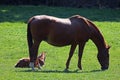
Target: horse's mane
x=96, y=32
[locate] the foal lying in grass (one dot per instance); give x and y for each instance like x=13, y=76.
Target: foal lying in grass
x=24, y=62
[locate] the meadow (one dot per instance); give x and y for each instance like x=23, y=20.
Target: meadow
x=13, y=45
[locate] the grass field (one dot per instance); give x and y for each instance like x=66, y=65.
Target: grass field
x=13, y=45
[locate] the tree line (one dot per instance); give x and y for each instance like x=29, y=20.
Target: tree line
x=66, y=3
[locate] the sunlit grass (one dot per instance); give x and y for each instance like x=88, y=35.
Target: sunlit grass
x=13, y=45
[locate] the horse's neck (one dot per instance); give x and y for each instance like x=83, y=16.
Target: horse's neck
x=100, y=44
x=97, y=38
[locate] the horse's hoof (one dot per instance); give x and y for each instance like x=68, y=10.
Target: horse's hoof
x=66, y=70
x=80, y=67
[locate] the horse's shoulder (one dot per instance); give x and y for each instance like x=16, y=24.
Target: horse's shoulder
x=77, y=17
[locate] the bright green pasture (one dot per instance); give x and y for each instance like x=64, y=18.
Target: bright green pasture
x=13, y=45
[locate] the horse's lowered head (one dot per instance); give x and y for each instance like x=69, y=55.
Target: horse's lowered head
x=103, y=58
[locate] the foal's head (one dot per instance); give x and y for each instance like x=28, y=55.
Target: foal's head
x=103, y=58
x=41, y=58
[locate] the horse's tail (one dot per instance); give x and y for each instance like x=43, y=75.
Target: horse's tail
x=29, y=35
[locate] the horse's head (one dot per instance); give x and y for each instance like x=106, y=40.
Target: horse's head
x=103, y=58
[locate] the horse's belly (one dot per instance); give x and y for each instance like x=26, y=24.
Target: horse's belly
x=58, y=44
x=59, y=41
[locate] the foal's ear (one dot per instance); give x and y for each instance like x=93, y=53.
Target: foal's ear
x=108, y=46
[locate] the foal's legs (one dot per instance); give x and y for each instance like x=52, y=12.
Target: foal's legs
x=72, y=49
x=81, y=47
x=33, y=54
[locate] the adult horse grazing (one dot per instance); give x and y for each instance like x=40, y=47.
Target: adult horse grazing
x=73, y=31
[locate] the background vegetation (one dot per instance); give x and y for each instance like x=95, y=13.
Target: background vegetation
x=13, y=45
x=66, y=3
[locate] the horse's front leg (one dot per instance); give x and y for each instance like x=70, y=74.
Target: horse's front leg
x=72, y=49
x=81, y=47
x=33, y=54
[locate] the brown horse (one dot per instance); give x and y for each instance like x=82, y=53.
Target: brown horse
x=73, y=31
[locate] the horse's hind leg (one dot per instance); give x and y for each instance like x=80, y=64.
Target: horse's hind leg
x=81, y=47
x=72, y=49
x=34, y=53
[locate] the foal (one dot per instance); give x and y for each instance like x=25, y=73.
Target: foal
x=24, y=62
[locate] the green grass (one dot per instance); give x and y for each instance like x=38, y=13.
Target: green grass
x=13, y=45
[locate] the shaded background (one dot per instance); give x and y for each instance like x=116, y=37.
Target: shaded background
x=66, y=3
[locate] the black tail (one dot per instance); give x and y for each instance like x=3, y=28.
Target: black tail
x=29, y=36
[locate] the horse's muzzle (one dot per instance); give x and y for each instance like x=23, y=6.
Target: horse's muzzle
x=104, y=68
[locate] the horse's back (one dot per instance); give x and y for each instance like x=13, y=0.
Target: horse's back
x=59, y=31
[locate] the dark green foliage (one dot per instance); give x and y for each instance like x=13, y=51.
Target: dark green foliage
x=66, y=3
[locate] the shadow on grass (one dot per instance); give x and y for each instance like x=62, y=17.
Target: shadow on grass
x=60, y=71
x=64, y=71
